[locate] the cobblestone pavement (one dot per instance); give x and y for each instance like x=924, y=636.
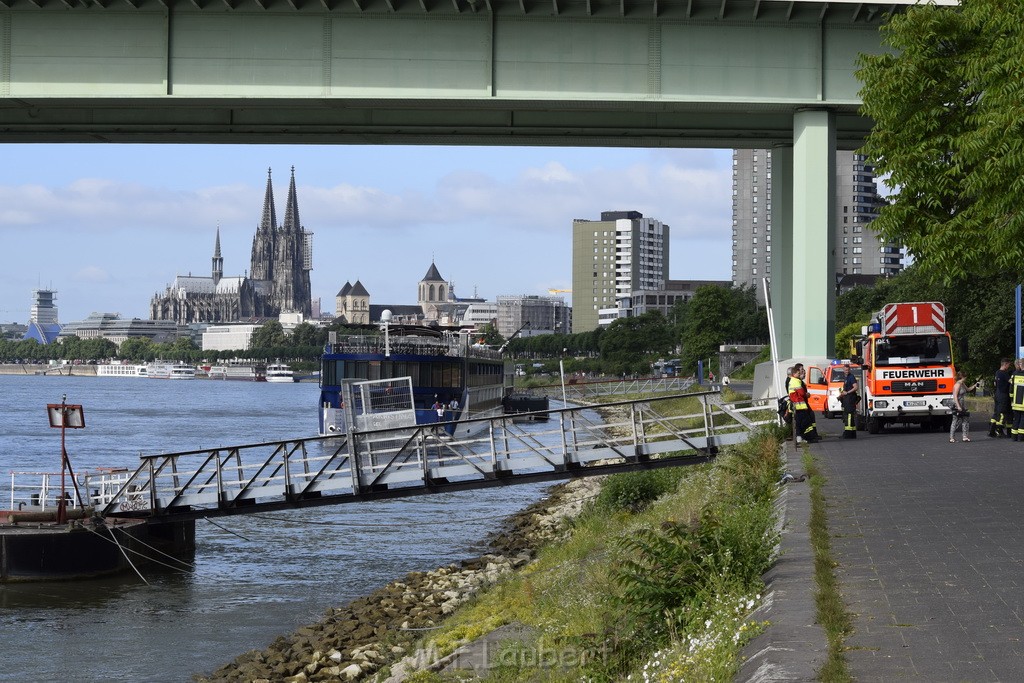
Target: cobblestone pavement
x=929, y=539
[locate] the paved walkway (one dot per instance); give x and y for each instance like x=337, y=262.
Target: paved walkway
x=929, y=539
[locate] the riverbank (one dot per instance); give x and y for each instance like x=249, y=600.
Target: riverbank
x=356, y=640
x=43, y=369
x=657, y=577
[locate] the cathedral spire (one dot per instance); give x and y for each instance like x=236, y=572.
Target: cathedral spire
x=269, y=220
x=218, y=262
x=291, y=211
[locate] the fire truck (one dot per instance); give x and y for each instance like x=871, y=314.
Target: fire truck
x=908, y=372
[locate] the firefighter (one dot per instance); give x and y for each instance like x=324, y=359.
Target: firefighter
x=803, y=416
x=849, y=397
x=785, y=409
x=1017, y=400
x=1000, y=424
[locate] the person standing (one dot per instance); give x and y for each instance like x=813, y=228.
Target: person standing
x=961, y=418
x=999, y=425
x=803, y=416
x=1017, y=400
x=849, y=398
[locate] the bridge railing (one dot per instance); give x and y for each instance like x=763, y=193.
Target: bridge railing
x=573, y=441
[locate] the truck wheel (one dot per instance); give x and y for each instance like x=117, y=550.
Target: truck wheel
x=874, y=425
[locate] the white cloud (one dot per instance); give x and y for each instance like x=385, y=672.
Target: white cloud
x=92, y=274
x=500, y=227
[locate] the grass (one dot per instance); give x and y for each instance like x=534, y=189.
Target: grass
x=639, y=588
x=831, y=611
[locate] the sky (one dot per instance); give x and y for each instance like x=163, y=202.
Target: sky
x=108, y=226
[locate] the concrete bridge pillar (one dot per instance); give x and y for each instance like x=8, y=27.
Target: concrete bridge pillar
x=782, y=248
x=803, y=191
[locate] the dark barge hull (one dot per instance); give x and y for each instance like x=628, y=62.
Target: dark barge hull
x=537, y=406
x=81, y=550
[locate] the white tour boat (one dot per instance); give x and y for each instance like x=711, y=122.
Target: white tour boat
x=279, y=372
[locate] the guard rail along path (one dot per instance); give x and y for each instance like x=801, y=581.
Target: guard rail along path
x=414, y=460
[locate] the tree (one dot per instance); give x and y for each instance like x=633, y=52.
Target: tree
x=305, y=334
x=628, y=343
x=268, y=335
x=716, y=315
x=137, y=349
x=949, y=134
x=489, y=333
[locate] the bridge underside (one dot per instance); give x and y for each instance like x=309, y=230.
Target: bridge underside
x=411, y=122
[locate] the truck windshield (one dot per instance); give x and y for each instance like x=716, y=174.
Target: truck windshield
x=916, y=350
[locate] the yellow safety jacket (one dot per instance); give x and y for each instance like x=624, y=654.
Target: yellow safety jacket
x=797, y=391
x=1017, y=391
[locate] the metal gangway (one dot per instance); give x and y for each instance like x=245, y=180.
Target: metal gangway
x=421, y=459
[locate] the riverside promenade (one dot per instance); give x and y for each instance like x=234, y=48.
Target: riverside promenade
x=929, y=540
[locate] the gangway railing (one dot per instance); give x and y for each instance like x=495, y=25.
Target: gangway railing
x=576, y=391
x=394, y=462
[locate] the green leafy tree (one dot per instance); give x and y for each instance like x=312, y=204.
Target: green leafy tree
x=489, y=333
x=949, y=134
x=305, y=334
x=628, y=343
x=716, y=315
x=269, y=335
x=137, y=349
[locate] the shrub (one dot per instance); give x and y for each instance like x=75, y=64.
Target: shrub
x=634, y=491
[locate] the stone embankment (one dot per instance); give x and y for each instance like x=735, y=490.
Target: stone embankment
x=352, y=642
x=33, y=369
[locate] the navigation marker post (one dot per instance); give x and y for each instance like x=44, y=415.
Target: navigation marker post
x=65, y=417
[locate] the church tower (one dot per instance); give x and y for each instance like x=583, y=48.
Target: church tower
x=218, y=262
x=433, y=292
x=264, y=242
x=292, y=290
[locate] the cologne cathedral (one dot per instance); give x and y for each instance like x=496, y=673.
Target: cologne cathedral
x=278, y=280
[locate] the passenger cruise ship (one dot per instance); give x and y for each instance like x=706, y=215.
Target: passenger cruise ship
x=171, y=371
x=121, y=370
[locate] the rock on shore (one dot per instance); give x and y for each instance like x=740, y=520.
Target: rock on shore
x=356, y=640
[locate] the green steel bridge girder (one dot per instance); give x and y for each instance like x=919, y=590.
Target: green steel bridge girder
x=688, y=73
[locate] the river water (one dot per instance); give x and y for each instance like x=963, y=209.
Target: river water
x=254, y=579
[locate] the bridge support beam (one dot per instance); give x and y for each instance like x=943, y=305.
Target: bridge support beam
x=782, y=248
x=803, y=241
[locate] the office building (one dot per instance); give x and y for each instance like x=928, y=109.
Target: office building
x=532, y=315
x=611, y=258
x=117, y=329
x=858, y=250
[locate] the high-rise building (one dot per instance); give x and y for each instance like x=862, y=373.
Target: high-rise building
x=858, y=250
x=539, y=315
x=611, y=258
x=42, y=323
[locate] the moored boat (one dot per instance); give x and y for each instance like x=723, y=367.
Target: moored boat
x=279, y=372
x=121, y=370
x=161, y=370
x=453, y=380
x=239, y=371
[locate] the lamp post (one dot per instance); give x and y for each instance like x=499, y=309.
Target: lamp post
x=385, y=319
